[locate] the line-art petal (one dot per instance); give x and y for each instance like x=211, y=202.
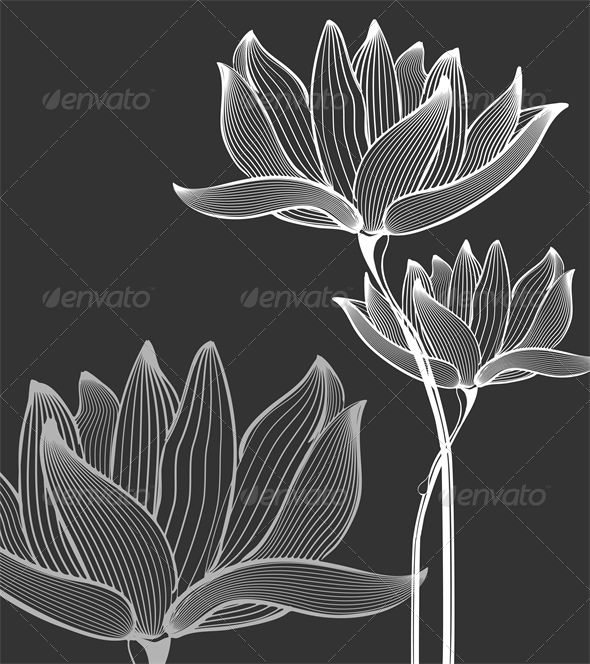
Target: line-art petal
x=271, y=452
x=382, y=316
x=554, y=363
x=82, y=606
x=308, y=217
x=466, y=274
x=511, y=376
x=431, y=207
x=148, y=406
x=414, y=273
x=338, y=110
x=12, y=536
x=317, y=589
x=446, y=335
x=375, y=70
x=491, y=302
x=324, y=495
x=527, y=295
x=96, y=419
x=236, y=615
x=39, y=520
x=396, y=163
x=440, y=278
x=286, y=102
x=411, y=77
x=445, y=374
x=259, y=197
x=493, y=128
x=447, y=163
x=198, y=468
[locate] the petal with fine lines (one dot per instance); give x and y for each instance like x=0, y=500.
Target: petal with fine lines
x=12, y=536
x=466, y=273
x=411, y=77
x=382, y=315
x=236, y=615
x=414, y=273
x=440, y=278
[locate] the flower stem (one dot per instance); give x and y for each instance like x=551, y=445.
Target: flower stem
x=156, y=651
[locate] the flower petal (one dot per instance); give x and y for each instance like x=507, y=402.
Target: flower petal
x=324, y=495
x=317, y=589
x=395, y=164
x=339, y=114
x=382, y=315
x=12, y=536
x=431, y=207
x=116, y=540
x=446, y=335
x=199, y=462
x=411, y=77
x=148, y=406
x=96, y=419
x=466, y=273
x=246, y=199
x=491, y=302
x=414, y=273
x=445, y=374
x=235, y=615
x=440, y=278
x=375, y=70
x=491, y=131
x=555, y=363
x=286, y=102
x=271, y=452
x=85, y=607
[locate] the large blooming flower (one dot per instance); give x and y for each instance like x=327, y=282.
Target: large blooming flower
x=375, y=144
x=477, y=328
x=143, y=519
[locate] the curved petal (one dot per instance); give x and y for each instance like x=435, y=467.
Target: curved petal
x=199, y=464
x=466, y=273
x=338, y=110
x=446, y=335
x=286, y=102
x=440, y=278
x=148, y=406
x=116, y=540
x=96, y=419
x=324, y=496
x=246, y=199
x=554, y=363
x=414, y=273
x=445, y=374
x=316, y=589
x=12, y=536
x=235, y=615
x=411, y=77
x=271, y=453
x=84, y=607
x=375, y=71
x=511, y=376
x=307, y=217
x=432, y=207
x=396, y=163
x=382, y=315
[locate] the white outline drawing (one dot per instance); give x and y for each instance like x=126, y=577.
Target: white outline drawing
x=143, y=520
x=376, y=145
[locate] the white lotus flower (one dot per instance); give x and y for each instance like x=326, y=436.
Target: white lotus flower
x=478, y=328
x=374, y=145
x=143, y=520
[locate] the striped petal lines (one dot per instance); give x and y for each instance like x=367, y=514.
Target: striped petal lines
x=414, y=273
x=466, y=274
x=440, y=278
x=411, y=77
x=382, y=315
x=12, y=535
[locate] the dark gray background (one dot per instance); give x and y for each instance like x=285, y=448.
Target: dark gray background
x=88, y=202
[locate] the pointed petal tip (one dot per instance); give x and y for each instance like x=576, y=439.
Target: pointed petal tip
x=455, y=53
x=414, y=265
x=86, y=376
x=423, y=574
x=466, y=246
x=148, y=355
x=374, y=29
x=36, y=389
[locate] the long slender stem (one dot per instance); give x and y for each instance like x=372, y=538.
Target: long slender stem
x=448, y=552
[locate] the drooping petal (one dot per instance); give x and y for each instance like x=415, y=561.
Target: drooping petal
x=247, y=132
x=285, y=100
x=491, y=302
x=375, y=70
x=446, y=335
x=432, y=207
x=445, y=374
x=317, y=589
x=494, y=128
x=414, y=273
x=555, y=363
x=466, y=273
x=43, y=532
x=116, y=540
x=382, y=315
x=440, y=278
x=12, y=536
x=82, y=606
x=411, y=77
x=450, y=156
x=338, y=110
x=307, y=217
x=246, y=199
x=237, y=615
x=198, y=467
x=511, y=376
x=271, y=452
x=396, y=163
x=324, y=495
x=554, y=316
x=527, y=295
x=148, y=406
x=96, y=419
